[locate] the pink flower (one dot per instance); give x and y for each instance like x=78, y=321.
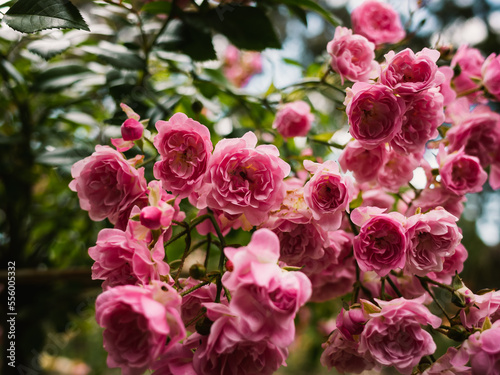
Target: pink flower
x=394, y=336
x=490, y=72
x=132, y=130
x=240, y=66
x=137, y=322
x=378, y=22
x=424, y=113
x=227, y=351
x=364, y=163
x=461, y=173
x=470, y=61
x=449, y=95
x=432, y=237
x=121, y=259
x=185, y=147
x=397, y=170
x=242, y=179
x=107, y=185
x=374, y=112
x=451, y=363
x=484, y=351
x=177, y=360
x=327, y=193
x=381, y=243
x=408, y=73
x=351, y=322
x=452, y=264
x=294, y=119
x=485, y=305
x=352, y=56
x=438, y=196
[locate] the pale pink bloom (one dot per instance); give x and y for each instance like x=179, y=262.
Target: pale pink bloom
x=227, y=351
x=449, y=95
x=293, y=208
x=377, y=197
x=490, y=72
x=242, y=179
x=121, y=259
x=397, y=170
x=484, y=351
x=394, y=336
x=107, y=184
x=452, y=264
x=484, y=305
x=184, y=146
x=424, y=113
x=364, y=163
x=140, y=324
x=453, y=362
x=294, y=119
x=408, y=73
x=344, y=355
x=432, y=237
x=470, y=61
x=353, y=56
x=327, y=193
x=381, y=243
x=178, y=360
x=461, y=173
x=378, y=22
x=374, y=112
x=240, y=66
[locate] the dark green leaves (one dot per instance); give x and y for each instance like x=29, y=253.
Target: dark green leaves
x=116, y=56
x=315, y=7
x=29, y=16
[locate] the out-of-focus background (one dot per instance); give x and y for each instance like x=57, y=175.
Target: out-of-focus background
x=59, y=96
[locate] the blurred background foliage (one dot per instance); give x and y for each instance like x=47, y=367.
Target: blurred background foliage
x=60, y=92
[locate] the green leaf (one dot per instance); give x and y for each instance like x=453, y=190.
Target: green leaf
x=245, y=27
x=48, y=48
x=60, y=77
x=63, y=156
x=292, y=62
x=312, y=5
x=30, y=16
x=117, y=56
x=157, y=7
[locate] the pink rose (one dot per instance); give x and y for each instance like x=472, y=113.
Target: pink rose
x=378, y=22
x=470, y=61
x=484, y=351
x=490, y=72
x=294, y=119
x=137, y=323
x=374, y=112
x=485, y=305
x=184, y=146
x=364, y=163
x=121, y=259
x=381, y=243
x=242, y=179
x=453, y=362
x=351, y=322
x=432, y=237
x=461, y=173
x=327, y=193
x=449, y=95
x=408, y=73
x=177, y=360
x=452, y=264
x=424, y=113
x=132, y=130
x=352, y=56
x=394, y=336
x=439, y=196
x=397, y=170
x=240, y=66
x=107, y=185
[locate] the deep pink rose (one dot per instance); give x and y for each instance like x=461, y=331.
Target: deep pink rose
x=408, y=73
x=453, y=362
x=394, y=336
x=178, y=360
x=353, y=56
x=132, y=130
x=381, y=243
x=364, y=163
x=452, y=264
x=244, y=179
x=121, y=259
x=107, y=184
x=226, y=351
x=397, y=170
x=432, y=237
x=294, y=119
x=461, y=173
x=424, y=113
x=378, y=22
x=351, y=322
x=327, y=193
x=484, y=351
x=184, y=146
x=491, y=75
x=375, y=114
x=137, y=323
x=485, y=305
x=470, y=61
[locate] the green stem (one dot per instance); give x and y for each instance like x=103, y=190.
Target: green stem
x=438, y=304
x=394, y=287
x=441, y=285
x=196, y=287
x=184, y=255
x=207, y=254
x=330, y=144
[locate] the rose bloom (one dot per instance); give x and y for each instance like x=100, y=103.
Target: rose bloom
x=107, y=184
x=351, y=322
x=364, y=163
x=137, y=323
x=449, y=95
x=177, y=360
x=381, y=243
x=374, y=112
x=408, y=73
x=184, y=146
x=227, y=351
x=452, y=264
x=352, y=56
x=470, y=61
x=461, y=173
x=242, y=179
x=438, y=196
x=397, y=170
x=431, y=237
x=240, y=66
x=484, y=351
x=327, y=193
x=293, y=119
x=453, y=362
x=378, y=22
x=490, y=72
x=485, y=305
x=394, y=336
x=424, y=113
